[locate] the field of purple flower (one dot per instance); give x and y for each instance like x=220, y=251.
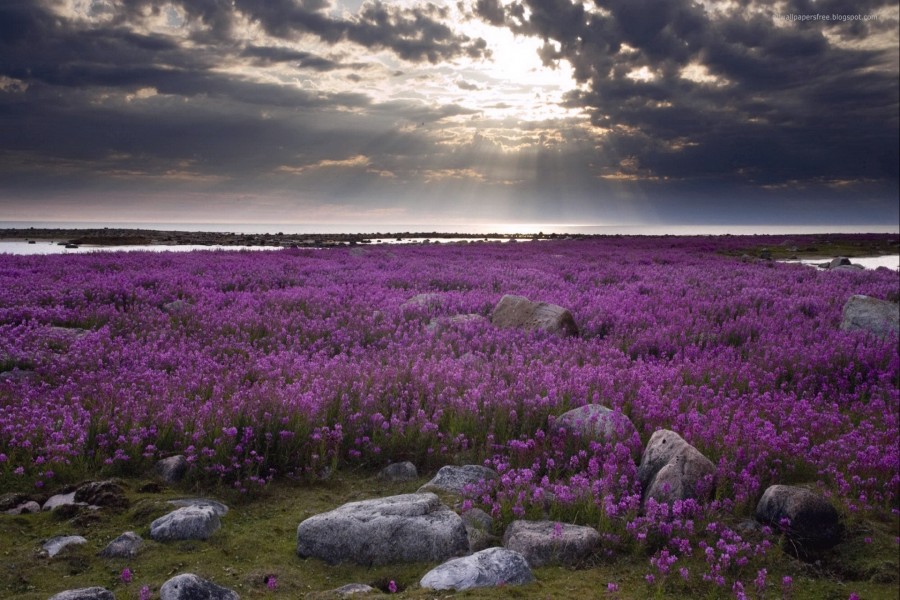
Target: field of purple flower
x=286, y=363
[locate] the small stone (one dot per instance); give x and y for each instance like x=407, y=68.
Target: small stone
x=479, y=529
x=58, y=500
x=598, y=423
x=217, y=507
x=25, y=508
x=91, y=593
x=548, y=542
x=174, y=307
x=57, y=544
x=840, y=261
x=398, y=472
x=814, y=522
x=102, y=493
x=428, y=300
x=454, y=479
x=186, y=523
x=188, y=586
x=488, y=568
x=126, y=545
x=353, y=588
x=172, y=469
x=12, y=500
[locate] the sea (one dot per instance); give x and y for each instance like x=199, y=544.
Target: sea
x=412, y=232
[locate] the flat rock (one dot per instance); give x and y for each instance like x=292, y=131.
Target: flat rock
x=91, y=593
x=126, y=545
x=58, y=500
x=863, y=313
x=398, y=472
x=671, y=469
x=101, y=493
x=521, y=313
x=454, y=479
x=172, y=469
x=25, y=508
x=396, y=529
x=551, y=543
x=352, y=589
x=186, y=523
x=57, y=544
x=814, y=522
x=188, y=586
x=217, y=507
x=488, y=568
x=596, y=422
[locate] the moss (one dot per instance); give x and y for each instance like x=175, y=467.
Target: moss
x=257, y=540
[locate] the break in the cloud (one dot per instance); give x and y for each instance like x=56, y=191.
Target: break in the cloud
x=611, y=111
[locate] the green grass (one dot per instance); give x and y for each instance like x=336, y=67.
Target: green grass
x=257, y=539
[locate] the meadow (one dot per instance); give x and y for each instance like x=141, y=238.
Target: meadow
x=293, y=367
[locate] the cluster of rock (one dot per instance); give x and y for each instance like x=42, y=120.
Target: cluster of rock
x=185, y=586
x=841, y=263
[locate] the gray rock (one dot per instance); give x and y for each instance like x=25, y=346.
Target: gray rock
x=353, y=588
x=814, y=522
x=853, y=267
x=551, y=543
x=424, y=301
x=596, y=422
x=188, y=586
x=405, y=528
x=172, y=469
x=57, y=544
x=671, y=469
x=398, y=472
x=11, y=500
x=25, y=508
x=437, y=325
x=58, y=500
x=488, y=568
x=871, y=314
x=126, y=545
x=219, y=508
x=521, y=313
x=186, y=523
x=453, y=479
x=840, y=261
x=91, y=593
x=479, y=528
x=101, y=493
x=174, y=307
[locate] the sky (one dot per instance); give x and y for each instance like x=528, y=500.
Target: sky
x=601, y=112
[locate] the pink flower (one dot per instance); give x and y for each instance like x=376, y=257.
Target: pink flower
x=126, y=575
x=145, y=593
x=392, y=586
x=271, y=582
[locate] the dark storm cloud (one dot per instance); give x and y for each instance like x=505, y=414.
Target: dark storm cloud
x=778, y=104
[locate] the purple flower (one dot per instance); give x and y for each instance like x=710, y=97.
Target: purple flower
x=145, y=593
x=392, y=586
x=126, y=575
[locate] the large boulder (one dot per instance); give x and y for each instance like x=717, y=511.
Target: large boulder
x=596, y=422
x=871, y=314
x=671, y=469
x=91, y=593
x=188, y=586
x=172, y=469
x=812, y=522
x=396, y=529
x=454, y=479
x=126, y=545
x=548, y=542
x=186, y=523
x=488, y=568
x=521, y=313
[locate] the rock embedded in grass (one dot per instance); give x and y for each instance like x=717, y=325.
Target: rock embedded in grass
x=863, y=313
x=188, y=586
x=57, y=544
x=551, y=543
x=671, y=469
x=596, y=422
x=812, y=522
x=58, y=500
x=351, y=589
x=427, y=300
x=454, y=479
x=488, y=568
x=186, y=523
x=171, y=469
x=521, y=313
x=101, y=493
x=399, y=472
x=395, y=529
x=217, y=507
x=25, y=508
x=126, y=545
x=91, y=593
